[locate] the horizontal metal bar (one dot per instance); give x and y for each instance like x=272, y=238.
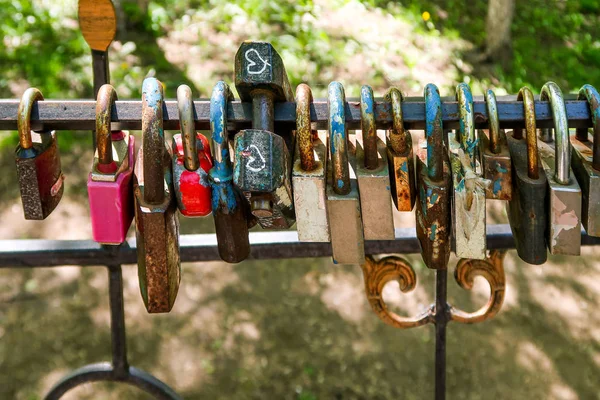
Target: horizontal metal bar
x=80, y=114
x=265, y=246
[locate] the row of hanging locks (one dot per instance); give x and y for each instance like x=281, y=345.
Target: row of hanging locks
x=333, y=186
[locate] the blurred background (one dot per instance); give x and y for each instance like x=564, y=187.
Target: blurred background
x=295, y=329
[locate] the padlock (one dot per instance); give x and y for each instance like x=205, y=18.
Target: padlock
x=527, y=209
x=434, y=186
x=230, y=209
x=38, y=163
x=585, y=160
x=109, y=184
x=308, y=173
x=191, y=161
x=156, y=223
x=468, y=216
x=400, y=156
x=495, y=158
x=343, y=204
x=563, y=229
x=373, y=175
x=262, y=164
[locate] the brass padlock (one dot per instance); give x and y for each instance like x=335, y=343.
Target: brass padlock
x=527, y=209
x=262, y=165
x=434, y=186
x=373, y=175
x=564, y=223
x=230, y=209
x=468, y=217
x=343, y=204
x=156, y=223
x=495, y=158
x=308, y=173
x=585, y=160
x=400, y=156
x=38, y=163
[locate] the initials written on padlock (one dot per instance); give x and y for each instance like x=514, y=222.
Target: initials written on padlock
x=109, y=184
x=191, y=161
x=373, y=175
x=156, y=223
x=262, y=165
x=38, y=163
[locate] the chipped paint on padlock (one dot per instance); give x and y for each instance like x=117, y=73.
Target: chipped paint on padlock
x=585, y=161
x=38, y=163
x=373, y=175
x=495, y=157
x=564, y=223
x=434, y=183
x=308, y=173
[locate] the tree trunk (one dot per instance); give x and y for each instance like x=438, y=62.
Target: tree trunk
x=498, y=24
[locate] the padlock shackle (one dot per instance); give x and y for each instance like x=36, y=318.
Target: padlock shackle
x=397, y=135
x=434, y=132
x=368, y=127
x=153, y=141
x=104, y=103
x=466, y=131
x=304, y=131
x=219, y=98
x=338, y=138
x=491, y=107
x=526, y=96
x=185, y=107
x=30, y=96
x=589, y=93
x=552, y=93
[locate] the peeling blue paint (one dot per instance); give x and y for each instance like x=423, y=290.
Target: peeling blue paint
x=366, y=99
x=497, y=186
x=433, y=232
x=404, y=167
x=501, y=169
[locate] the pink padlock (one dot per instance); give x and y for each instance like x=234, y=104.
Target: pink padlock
x=109, y=184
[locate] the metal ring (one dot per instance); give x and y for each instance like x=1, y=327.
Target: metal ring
x=468, y=139
x=397, y=135
x=552, y=93
x=338, y=138
x=368, y=127
x=304, y=99
x=104, y=103
x=185, y=106
x=491, y=107
x=30, y=96
x=153, y=140
x=219, y=98
x=434, y=132
x=526, y=96
x=589, y=93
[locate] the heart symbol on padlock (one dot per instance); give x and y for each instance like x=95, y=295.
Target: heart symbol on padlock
x=253, y=63
x=260, y=164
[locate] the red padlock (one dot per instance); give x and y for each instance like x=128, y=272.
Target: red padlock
x=191, y=161
x=109, y=184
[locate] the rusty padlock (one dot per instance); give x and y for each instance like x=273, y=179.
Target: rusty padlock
x=400, y=155
x=373, y=175
x=495, y=157
x=527, y=209
x=191, y=161
x=262, y=164
x=434, y=186
x=343, y=204
x=38, y=163
x=585, y=160
x=468, y=216
x=564, y=223
x=308, y=173
x=230, y=209
x=109, y=184
x=156, y=223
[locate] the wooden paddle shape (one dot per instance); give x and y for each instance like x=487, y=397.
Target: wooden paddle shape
x=98, y=23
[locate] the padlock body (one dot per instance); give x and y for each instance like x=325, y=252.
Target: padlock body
x=309, y=194
x=111, y=202
x=192, y=188
x=40, y=176
x=157, y=238
x=262, y=169
x=589, y=181
x=402, y=176
x=433, y=214
x=374, y=190
x=497, y=168
x=564, y=205
x=527, y=209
